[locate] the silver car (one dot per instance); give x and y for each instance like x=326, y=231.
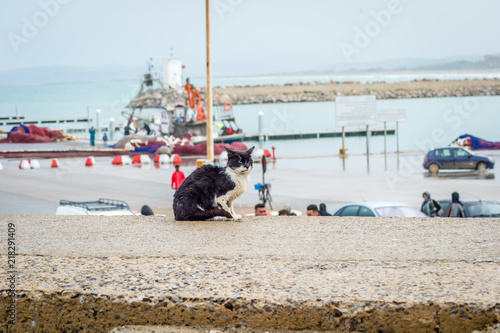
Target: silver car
x=378, y=209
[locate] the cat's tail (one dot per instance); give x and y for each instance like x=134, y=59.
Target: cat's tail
x=204, y=215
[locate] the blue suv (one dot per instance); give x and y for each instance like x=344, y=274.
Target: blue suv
x=456, y=158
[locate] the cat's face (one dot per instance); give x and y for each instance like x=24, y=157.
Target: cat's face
x=240, y=161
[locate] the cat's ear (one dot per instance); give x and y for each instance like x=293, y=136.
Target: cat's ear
x=229, y=151
x=249, y=151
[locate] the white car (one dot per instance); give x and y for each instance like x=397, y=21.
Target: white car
x=378, y=209
x=107, y=207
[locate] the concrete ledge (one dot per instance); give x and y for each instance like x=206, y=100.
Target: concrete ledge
x=99, y=313
x=358, y=274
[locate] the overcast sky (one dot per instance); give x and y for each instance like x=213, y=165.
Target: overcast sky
x=269, y=33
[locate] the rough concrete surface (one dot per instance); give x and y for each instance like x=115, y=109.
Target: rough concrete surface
x=96, y=274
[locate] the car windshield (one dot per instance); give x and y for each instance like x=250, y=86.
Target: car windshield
x=483, y=209
x=400, y=211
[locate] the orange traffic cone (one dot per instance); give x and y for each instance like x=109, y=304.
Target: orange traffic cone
x=136, y=159
x=55, y=163
x=117, y=160
x=90, y=161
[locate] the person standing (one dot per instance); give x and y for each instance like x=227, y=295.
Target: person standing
x=92, y=136
x=430, y=207
x=323, y=211
x=177, y=178
x=105, y=138
x=456, y=208
x=188, y=87
x=283, y=212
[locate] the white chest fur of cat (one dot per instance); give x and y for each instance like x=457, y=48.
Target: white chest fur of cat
x=240, y=178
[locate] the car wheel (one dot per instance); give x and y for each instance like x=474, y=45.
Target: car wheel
x=433, y=168
x=481, y=166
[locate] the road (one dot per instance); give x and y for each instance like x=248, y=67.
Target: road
x=296, y=180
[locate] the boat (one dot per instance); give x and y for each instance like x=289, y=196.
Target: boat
x=161, y=109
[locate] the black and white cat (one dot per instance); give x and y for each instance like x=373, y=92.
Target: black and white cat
x=210, y=190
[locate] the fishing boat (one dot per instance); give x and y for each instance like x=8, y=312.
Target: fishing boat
x=162, y=109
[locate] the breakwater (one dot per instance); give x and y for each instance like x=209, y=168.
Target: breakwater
x=320, y=92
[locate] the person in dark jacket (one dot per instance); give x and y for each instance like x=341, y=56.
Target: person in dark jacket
x=92, y=136
x=147, y=211
x=430, y=207
x=323, y=211
x=456, y=208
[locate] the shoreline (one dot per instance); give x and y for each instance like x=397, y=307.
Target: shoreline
x=323, y=92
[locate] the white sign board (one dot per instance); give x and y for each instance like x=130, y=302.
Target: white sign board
x=392, y=115
x=355, y=110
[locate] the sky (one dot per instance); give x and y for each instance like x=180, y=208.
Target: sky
x=269, y=35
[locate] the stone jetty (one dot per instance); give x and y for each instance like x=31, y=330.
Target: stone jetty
x=322, y=92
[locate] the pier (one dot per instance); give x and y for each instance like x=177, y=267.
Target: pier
x=69, y=126
x=316, y=134
x=18, y=120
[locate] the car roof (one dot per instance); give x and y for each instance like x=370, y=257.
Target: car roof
x=376, y=204
x=468, y=199
x=452, y=147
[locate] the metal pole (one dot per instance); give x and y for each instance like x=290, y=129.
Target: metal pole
x=343, y=140
x=385, y=137
x=367, y=149
x=397, y=137
x=367, y=140
x=97, y=120
x=111, y=130
x=17, y=111
x=210, y=139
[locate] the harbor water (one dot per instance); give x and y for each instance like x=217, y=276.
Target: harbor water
x=430, y=122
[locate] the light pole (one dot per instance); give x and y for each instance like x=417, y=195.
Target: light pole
x=97, y=120
x=111, y=128
x=210, y=139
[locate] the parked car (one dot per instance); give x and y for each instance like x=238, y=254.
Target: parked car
x=378, y=209
x=456, y=158
x=474, y=207
x=102, y=206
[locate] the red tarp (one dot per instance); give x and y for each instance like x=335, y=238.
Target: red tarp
x=21, y=137
x=33, y=134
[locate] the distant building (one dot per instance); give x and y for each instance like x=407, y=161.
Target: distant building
x=172, y=73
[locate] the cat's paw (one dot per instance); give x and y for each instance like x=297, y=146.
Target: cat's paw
x=236, y=217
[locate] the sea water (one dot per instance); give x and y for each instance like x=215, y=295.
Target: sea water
x=430, y=122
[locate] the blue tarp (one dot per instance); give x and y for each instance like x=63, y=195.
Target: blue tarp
x=16, y=128
x=476, y=143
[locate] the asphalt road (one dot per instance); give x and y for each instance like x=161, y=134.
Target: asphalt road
x=298, y=181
